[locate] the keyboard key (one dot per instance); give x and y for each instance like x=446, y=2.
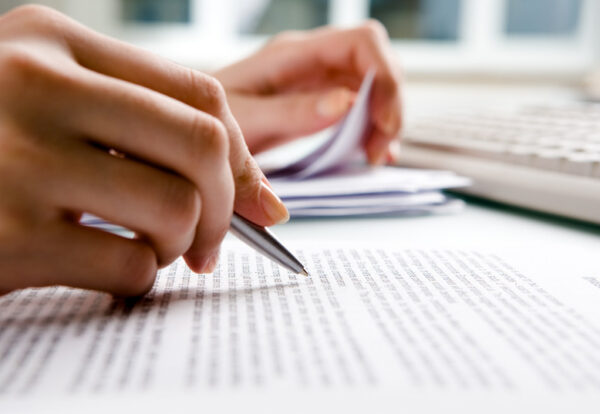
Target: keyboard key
x=549, y=159
x=543, y=157
x=579, y=163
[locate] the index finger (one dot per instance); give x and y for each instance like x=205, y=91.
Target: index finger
x=129, y=63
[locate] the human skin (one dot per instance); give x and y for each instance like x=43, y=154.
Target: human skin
x=91, y=124
x=301, y=82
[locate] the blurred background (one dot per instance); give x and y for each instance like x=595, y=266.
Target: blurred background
x=551, y=39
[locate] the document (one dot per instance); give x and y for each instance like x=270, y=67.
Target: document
x=368, y=181
x=336, y=171
x=390, y=330
x=344, y=144
x=361, y=190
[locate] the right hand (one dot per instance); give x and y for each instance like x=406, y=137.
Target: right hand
x=68, y=96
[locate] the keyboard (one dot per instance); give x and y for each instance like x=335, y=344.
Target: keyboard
x=545, y=158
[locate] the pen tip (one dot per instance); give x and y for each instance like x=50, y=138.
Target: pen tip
x=304, y=272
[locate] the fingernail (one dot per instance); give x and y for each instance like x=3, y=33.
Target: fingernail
x=272, y=205
x=334, y=103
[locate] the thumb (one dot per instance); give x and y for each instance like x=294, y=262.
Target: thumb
x=254, y=198
x=268, y=121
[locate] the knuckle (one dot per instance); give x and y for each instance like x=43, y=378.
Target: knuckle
x=209, y=91
x=209, y=139
x=284, y=38
x=18, y=65
x=214, y=89
x=38, y=16
x=139, y=269
x=374, y=30
x=32, y=11
x=22, y=158
x=27, y=74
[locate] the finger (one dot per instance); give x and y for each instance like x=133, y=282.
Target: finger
x=380, y=150
x=93, y=260
x=161, y=207
x=368, y=47
x=386, y=110
x=160, y=131
x=316, y=59
x=394, y=150
x=377, y=148
x=123, y=61
x=279, y=118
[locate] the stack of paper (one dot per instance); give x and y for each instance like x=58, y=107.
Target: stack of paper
x=368, y=191
x=334, y=179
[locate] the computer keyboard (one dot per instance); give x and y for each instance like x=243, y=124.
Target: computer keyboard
x=541, y=157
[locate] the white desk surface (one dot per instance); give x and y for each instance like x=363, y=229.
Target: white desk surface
x=536, y=244
x=481, y=225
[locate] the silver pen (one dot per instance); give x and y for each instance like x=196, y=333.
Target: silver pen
x=263, y=241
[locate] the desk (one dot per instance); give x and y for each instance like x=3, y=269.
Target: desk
x=481, y=225
x=537, y=242
x=557, y=244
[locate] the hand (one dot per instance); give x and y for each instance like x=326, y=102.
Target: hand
x=302, y=82
x=71, y=97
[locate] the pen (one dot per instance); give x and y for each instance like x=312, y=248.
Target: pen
x=263, y=241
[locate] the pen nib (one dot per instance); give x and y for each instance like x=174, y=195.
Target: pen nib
x=303, y=272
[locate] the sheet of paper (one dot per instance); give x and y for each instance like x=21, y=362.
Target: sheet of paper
x=345, y=142
x=359, y=200
x=379, y=329
x=447, y=206
x=336, y=167
x=366, y=180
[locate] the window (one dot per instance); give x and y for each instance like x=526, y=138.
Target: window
x=156, y=11
x=542, y=17
x=273, y=16
x=418, y=19
x=437, y=36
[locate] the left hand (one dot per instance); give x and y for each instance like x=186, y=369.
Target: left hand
x=301, y=82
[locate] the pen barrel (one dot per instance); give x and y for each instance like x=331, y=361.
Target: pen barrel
x=263, y=241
